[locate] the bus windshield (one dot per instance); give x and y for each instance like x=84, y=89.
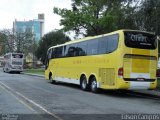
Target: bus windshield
x=140, y=40
x=17, y=55
x=17, y=59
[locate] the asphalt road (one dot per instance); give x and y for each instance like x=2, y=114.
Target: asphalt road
x=28, y=96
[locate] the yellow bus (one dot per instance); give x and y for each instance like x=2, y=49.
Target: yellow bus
x=124, y=59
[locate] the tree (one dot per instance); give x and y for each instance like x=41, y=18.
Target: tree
x=149, y=16
x=7, y=40
x=17, y=42
x=94, y=17
x=50, y=39
x=25, y=42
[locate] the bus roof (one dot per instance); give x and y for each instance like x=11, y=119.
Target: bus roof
x=98, y=36
x=138, y=31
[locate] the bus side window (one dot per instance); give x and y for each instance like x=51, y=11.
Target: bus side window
x=82, y=49
x=66, y=50
x=63, y=52
x=53, y=53
x=102, y=45
x=112, y=42
x=71, y=50
x=58, y=52
x=92, y=47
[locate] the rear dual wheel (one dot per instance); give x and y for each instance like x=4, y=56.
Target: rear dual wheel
x=83, y=84
x=91, y=86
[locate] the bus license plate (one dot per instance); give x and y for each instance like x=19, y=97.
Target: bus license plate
x=140, y=79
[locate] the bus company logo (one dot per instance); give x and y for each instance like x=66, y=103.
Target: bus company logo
x=139, y=38
x=17, y=56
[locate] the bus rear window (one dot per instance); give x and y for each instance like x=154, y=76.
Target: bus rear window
x=17, y=55
x=140, y=40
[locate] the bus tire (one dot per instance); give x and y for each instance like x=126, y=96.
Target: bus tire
x=93, y=85
x=83, y=83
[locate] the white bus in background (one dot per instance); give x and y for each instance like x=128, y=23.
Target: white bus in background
x=13, y=62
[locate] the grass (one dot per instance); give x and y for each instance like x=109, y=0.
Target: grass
x=34, y=71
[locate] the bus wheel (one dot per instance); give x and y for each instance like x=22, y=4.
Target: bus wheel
x=51, y=80
x=83, y=84
x=93, y=85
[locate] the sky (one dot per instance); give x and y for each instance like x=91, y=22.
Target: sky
x=29, y=10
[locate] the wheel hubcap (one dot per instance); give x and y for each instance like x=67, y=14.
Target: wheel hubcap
x=94, y=85
x=84, y=84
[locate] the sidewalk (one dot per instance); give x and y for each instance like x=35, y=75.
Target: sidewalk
x=155, y=93
x=149, y=92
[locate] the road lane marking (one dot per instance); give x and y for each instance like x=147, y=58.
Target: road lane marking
x=30, y=101
x=18, y=99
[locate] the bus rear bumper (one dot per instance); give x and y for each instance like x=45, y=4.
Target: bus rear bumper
x=134, y=85
x=138, y=85
x=16, y=70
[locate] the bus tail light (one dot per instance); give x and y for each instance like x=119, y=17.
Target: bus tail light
x=120, y=72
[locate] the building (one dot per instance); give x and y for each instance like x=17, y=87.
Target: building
x=36, y=26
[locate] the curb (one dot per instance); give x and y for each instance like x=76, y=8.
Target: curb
x=149, y=91
x=30, y=74
x=153, y=93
